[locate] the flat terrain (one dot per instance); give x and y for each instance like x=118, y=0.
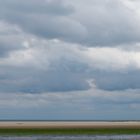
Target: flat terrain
x=68, y=128
x=59, y=124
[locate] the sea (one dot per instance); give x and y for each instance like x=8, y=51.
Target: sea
x=72, y=137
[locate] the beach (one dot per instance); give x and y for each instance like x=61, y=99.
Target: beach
x=68, y=124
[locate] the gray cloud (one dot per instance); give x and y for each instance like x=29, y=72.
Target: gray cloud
x=109, y=23
x=48, y=19
x=69, y=57
x=117, y=80
x=53, y=7
x=11, y=39
x=95, y=23
x=93, y=103
x=27, y=80
x=54, y=66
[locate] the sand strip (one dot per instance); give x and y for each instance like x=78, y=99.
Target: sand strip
x=46, y=124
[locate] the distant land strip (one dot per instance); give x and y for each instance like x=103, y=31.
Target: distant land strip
x=69, y=124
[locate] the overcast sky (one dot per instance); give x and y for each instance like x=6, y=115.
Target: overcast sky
x=70, y=59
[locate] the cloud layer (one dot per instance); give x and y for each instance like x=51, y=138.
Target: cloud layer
x=94, y=23
x=81, y=54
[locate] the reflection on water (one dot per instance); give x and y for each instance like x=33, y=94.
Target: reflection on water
x=95, y=137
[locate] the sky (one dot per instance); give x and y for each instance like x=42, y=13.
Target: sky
x=69, y=59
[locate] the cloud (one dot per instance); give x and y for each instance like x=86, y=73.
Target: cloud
x=11, y=39
x=41, y=66
x=37, y=65
x=118, y=80
x=94, y=23
x=53, y=7
x=70, y=59
x=47, y=19
x=90, y=104
x=109, y=23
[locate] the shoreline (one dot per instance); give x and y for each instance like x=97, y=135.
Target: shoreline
x=68, y=124
x=25, y=128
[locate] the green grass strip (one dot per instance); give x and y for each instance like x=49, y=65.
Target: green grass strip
x=74, y=131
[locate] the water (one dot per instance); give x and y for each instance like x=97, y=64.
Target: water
x=83, y=137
